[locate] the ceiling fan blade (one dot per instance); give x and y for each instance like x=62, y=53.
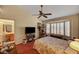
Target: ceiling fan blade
x=48, y=14
x=39, y=16
x=45, y=16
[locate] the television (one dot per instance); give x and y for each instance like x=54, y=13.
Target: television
x=29, y=30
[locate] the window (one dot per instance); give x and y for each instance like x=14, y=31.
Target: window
x=62, y=28
x=58, y=28
x=47, y=28
x=67, y=28
x=52, y=28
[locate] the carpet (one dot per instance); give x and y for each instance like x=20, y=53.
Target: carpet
x=26, y=48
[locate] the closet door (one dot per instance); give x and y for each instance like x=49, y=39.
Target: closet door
x=1, y=32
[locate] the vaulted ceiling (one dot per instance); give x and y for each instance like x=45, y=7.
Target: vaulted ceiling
x=56, y=10
x=23, y=10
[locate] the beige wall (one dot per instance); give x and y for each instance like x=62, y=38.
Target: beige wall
x=74, y=20
x=20, y=25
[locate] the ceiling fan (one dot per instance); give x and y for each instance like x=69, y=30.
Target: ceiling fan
x=41, y=13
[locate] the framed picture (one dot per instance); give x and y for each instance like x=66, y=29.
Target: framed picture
x=7, y=28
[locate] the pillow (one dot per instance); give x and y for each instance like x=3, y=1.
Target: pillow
x=67, y=38
x=76, y=40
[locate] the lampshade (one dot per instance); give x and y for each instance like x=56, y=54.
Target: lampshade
x=74, y=45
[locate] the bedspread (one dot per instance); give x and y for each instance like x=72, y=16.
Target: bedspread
x=51, y=45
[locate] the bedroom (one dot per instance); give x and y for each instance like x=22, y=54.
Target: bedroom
x=58, y=33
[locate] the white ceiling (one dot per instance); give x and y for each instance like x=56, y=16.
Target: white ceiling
x=56, y=10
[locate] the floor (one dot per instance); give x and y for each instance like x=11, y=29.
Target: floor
x=26, y=48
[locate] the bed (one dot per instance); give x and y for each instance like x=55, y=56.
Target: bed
x=51, y=45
